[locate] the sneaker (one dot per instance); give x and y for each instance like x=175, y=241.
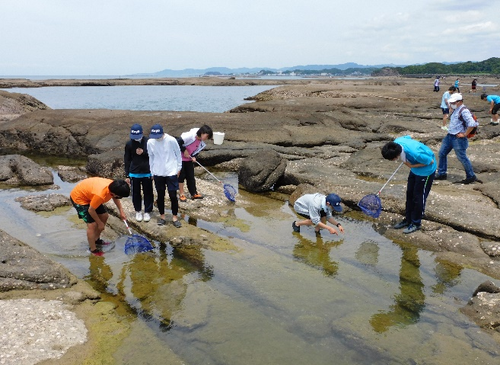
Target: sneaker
x=494, y=123
x=401, y=224
x=467, y=181
x=138, y=216
x=411, y=228
x=183, y=198
x=147, y=217
x=441, y=177
x=161, y=222
x=295, y=227
x=96, y=252
x=100, y=242
x=177, y=224
x=197, y=196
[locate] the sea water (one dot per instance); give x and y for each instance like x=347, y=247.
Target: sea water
x=214, y=99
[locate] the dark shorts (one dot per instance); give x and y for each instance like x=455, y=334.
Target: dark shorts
x=495, y=109
x=322, y=214
x=446, y=111
x=83, y=211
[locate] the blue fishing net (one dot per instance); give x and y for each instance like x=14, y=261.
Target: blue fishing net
x=230, y=192
x=136, y=244
x=371, y=205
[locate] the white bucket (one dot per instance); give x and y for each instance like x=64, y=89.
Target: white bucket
x=219, y=137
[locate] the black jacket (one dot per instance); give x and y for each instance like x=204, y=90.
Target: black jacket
x=134, y=163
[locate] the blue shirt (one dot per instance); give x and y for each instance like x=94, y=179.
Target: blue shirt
x=444, y=99
x=416, y=152
x=494, y=98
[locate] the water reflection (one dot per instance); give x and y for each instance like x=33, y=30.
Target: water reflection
x=410, y=301
x=447, y=275
x=317, y=254
x=155, y=283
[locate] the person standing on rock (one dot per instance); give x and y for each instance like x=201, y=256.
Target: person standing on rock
x=136, y=161
x=88, y=197
x=193, y=142
x=436, y=84
x=165, y=163
x=494, y=101
x=317, y=210
x=445, y=106
x=461, y=124
x=422, y=163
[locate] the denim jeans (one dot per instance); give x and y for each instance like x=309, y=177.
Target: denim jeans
x=459, y=145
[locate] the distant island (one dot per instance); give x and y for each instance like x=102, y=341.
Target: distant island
x=490, y=66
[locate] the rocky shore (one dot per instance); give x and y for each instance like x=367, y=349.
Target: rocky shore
x=319, y=135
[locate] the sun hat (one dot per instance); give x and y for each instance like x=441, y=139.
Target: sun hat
x=455, y=97
x=334, y=201
x=136, y=132
x=156, y=131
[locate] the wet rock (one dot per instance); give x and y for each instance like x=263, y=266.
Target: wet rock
x=20, y=170
x=261, y=171
x=22, y=267
x=45, y=203
x=484, y=306
x=70, y=173
x=491, y=248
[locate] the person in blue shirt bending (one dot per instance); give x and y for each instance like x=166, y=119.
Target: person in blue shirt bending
x=494, y=101
x=422, y=163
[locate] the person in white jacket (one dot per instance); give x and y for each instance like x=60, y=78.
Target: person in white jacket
x=165, y=164
x=193, y=142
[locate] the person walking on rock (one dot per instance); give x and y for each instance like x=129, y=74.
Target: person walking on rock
x=136, y=161
x=494, y=101
x=317, y=210
x=88, y=197
x=422, y=163
x=193, y=142
x=436, y=84
x=165, y=164
x=461, y=124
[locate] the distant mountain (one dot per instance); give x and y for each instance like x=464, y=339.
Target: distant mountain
x=254, y=70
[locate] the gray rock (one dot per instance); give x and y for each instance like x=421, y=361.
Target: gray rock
x=22, y=267
x=261, y=171
x=23, y=171
x=45, y=203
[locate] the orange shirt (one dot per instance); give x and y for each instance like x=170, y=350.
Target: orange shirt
x=93, y=191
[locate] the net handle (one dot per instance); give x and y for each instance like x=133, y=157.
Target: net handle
x=126, y=225
x=209, y=172
x=394, y=173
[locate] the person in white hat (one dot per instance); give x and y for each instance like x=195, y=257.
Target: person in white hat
x=461, y=124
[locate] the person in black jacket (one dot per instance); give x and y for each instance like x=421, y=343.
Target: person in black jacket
x=138, y=174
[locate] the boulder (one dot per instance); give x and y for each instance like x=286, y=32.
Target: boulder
x=484, y=306
x=20, y=170
x=261, y=171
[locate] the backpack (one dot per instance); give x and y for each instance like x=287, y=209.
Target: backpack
x=473, y=132
x=180, y=142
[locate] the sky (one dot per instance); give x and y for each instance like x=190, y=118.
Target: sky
x=124, y=37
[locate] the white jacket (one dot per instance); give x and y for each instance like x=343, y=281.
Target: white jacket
x=164, y=156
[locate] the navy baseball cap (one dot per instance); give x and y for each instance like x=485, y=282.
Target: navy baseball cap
x=136, y=132
x=156, y=131
x=334, y=201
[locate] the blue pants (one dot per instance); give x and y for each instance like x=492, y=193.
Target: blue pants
x=417, y=191
x=459, y=145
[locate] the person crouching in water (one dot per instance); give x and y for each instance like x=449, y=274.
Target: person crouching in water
x=422, y=163
x=193, y=142
x=317, y=209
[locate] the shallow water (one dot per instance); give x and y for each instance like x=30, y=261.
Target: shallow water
x=277, y=297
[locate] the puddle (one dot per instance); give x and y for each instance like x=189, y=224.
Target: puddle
x=280, y=298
